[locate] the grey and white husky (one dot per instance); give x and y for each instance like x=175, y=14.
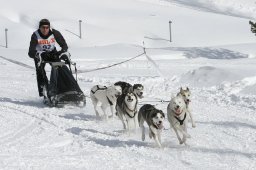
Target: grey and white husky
x=154, y=119
x=126, y=108
x=137, y=89
x=177, y=116
x=186, y=95
x=103, y=98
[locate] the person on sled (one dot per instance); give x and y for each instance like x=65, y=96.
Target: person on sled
x=42, y=48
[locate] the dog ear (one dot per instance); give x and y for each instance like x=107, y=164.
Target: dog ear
x=181, y=89
x=172, y=96
x=187, y=89
x=162, y=113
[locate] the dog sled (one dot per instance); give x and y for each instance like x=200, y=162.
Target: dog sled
x=62, y=88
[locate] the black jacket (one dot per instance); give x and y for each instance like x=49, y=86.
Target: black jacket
x=57, y=35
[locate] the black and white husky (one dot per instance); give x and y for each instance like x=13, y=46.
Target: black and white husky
x=127, y=87
x=154, y=119
x=103, y=98
x=177, y=116
x=186, y=95
x=126, y=108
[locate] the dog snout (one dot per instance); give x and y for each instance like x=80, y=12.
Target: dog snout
x=177, y=107
x=188, y=100
x=141, y=93
x=160, y=122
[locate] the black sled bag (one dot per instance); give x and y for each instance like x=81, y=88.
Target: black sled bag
x=63, y=85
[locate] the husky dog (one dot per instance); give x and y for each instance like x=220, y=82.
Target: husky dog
x=126, y=108
x=154, y=119
x=104, y=97
x=186, y=95
x=177, y=116
x=127, y=87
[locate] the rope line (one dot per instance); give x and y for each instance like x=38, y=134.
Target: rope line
x=18, y=63
x=78, y=71
x=109, y=66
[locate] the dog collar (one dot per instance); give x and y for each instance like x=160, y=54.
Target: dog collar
x=181, y=121
x=135, y=111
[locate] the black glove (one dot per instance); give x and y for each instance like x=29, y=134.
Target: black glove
x=50, y=56
x=46, y=56
x=65, y=58
x=58, y=53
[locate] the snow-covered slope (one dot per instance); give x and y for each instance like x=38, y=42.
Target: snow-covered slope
x=237, y=8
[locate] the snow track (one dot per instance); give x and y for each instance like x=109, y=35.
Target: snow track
x=37, y=137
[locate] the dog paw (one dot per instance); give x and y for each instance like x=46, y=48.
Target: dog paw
x=160, y=147
x=143, y=138
x=181, y=142
x=150, y=136
x=193, y=125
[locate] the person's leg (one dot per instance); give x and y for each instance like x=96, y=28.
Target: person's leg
x=41, y=78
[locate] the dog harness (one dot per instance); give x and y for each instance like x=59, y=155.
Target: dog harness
x=104, y=88
x=111, y=103
x=98, y=88
x=181, y=121
x=135, y=109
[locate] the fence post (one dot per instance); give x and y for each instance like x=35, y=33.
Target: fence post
x=6, y=39
x=170, y=28
x=80, y=29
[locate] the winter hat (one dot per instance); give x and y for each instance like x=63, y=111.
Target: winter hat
x=44, y=22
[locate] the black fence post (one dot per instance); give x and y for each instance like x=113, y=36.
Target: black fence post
x=6, y=39
x=80, y=29
x=170, y=23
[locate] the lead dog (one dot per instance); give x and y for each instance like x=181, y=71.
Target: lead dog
x=186, y=95
x=104, y=97
x=154, y=119
x=177, y=116
x=127, y=87
x=126, y=108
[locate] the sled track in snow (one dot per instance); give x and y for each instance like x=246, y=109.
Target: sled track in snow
x=40, y=119
x=15, y=135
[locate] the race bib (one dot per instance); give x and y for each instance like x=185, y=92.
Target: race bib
x=45, y=44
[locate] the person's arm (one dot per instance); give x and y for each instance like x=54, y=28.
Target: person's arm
x=60, y=40
x=32, y=48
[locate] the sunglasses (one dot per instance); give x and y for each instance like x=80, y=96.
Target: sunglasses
x=45, y=27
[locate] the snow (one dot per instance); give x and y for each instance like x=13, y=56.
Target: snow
x=212, y=52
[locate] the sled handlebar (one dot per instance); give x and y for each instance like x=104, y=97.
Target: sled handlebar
x=60, y=63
